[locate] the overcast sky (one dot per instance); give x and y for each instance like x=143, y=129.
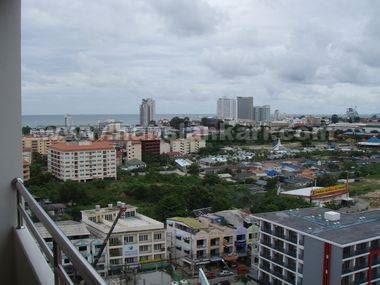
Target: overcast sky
x=104, y=56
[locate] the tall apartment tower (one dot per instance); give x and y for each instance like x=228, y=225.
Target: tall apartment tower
x=147, y=111
x=68, y=121
x=226, y=108
x=276, y=115
x=261, y=113
x=316, y=246
x=245, y=108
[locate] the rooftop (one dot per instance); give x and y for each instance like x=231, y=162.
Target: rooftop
x=69, y=228
x=190, y=222
x=82, y=146
x=351, y=228
x=138, y=222
x=304, y=192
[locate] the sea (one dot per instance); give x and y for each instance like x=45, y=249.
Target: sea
x=35, y=121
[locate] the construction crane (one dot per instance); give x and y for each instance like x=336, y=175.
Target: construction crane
x=122, y=209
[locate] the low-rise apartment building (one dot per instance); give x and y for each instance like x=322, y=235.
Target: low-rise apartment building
x=187, y=145
x=317, y=246
x=82, y=161
x=136, y=240
x=82, y=239
x=196, y=242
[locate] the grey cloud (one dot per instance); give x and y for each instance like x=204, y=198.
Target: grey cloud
x=293, y=54
x=188, y=18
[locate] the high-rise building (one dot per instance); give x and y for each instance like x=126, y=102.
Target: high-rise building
x=276, y=115
x=68, y=121
x=261, y=113
x=147, y=111
x=245, y=108
x=226, y=108
x=317, y=246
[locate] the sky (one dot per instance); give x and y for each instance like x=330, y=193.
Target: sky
x=104, y=56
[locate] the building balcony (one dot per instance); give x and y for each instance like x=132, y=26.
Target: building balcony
x=43, y=264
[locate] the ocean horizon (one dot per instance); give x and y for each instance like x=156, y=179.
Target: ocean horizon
x=91, y=119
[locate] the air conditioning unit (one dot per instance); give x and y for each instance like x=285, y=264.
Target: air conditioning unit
x=332, y=216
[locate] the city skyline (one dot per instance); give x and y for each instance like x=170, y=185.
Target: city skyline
x=302, y=58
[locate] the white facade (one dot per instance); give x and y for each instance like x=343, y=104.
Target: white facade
x=83, y=161
x=226, y=108
x=136, y=239
x=147, y=111
x=133, y=150
x=188, y=145
x=164, y=147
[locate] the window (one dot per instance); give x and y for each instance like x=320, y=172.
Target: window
x=157, y=236
x=115, y=252
x=158, y=247
x=143, y=258
x=144, y=248
x=82, y=248
x=129, y=260
x=128, y=239
x=144, y=237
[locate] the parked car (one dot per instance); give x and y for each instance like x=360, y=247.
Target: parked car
x=225, y=273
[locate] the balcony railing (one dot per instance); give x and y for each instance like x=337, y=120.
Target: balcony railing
x=61, y=244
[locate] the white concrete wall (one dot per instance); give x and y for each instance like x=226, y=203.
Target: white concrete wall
x=10, y=140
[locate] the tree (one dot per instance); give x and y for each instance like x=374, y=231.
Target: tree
x=334, y=119
x=179, y=123
x=193, y=169
x=211, y=179
x=26, y=130
x=326, y=180
x=170, y=206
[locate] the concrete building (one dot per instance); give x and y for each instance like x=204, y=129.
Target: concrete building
x=135, y=241
x=261, y=113
x=276, y=115
x=37, y=144
x=226, y=108
x=245, y=108
x=147, y=111
x=82, y=161
x=26, y=162
x=188, y=145
x=196, y=242
x=150, y=147
x=82, y=239
x=164, y=147
x=133, y=150
x=68, y=121
x=317, y=246
x=320, y=195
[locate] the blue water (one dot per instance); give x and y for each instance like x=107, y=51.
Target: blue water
x=83, y=120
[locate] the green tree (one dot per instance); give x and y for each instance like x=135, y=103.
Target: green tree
x=169, y=206
x=26, y=130
x=334, y=119
x=326, y=180
x=193, y=169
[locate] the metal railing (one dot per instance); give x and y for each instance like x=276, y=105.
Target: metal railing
x=61, y=244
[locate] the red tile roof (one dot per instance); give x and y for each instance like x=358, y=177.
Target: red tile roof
x=85, y=147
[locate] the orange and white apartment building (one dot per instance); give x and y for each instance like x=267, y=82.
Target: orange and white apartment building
x=82, y=161
x=38, y=144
